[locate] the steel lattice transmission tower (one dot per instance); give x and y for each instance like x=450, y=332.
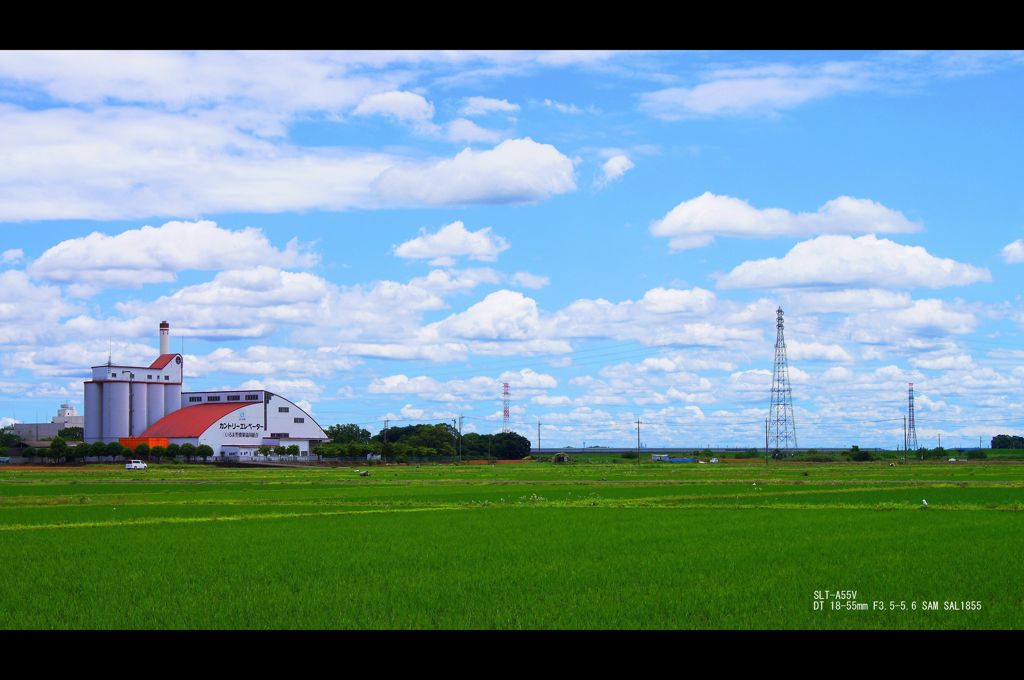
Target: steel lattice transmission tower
x=781, y=425
x=911, y=428
x=505, y=396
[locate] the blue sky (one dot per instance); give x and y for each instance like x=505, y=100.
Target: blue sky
x=394, y=234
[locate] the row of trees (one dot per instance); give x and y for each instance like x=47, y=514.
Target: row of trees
x=76, y=434
x=1007, y=441
x=439, y=440
x=60, y=452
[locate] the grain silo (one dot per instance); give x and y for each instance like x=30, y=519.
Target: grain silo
x=122, y=401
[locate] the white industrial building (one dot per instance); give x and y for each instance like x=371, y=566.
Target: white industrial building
x=66, y=417
x=134, y=404
x=237, y=422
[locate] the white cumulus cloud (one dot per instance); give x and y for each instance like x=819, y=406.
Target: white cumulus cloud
x=402, y=106
x=282, y=80
x=545, y=400
x=613, y=169
x=12, y=256
x=948, y=362
x=846, y=261
x=930, y=318
x=478, y=106
x=266, y=360
x=515, y=171
x=696, y=222
x=759, y=90
x=502, y=315
x=525, y=382
x=154, y=254
x=1013, y=253
x=292, y=389
x=562, y=107
x=129, y=162
x=528, y=280
x=810, y=351
x=848, y=301
x=675, y=300
x=528, y=378
x=28, y=312
x=452, y=241
x=463, y=130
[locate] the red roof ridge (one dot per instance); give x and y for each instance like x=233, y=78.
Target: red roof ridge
x=162, y=360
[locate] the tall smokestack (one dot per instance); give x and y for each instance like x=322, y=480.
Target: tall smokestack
x=165, y=339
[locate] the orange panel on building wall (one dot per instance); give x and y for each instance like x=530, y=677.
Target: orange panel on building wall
x=132, y=442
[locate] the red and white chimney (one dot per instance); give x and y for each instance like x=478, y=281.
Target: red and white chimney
x=165, y=338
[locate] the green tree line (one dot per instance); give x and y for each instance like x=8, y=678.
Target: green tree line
x=425, y=440
x=1007, y=441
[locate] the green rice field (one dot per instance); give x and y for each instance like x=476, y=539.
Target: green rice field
x=738, y=545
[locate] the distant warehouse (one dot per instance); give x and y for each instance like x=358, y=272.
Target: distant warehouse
x=135, y=405
x=66, y=417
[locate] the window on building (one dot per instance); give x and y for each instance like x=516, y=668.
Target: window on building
x=282, y=409
x=195, y=398
x=252, y=397
x=149, y=377
x=279, y=435
x=233, y=397
x=213, y=399
x=113, y=375
x=167, y=377
x=300, y=420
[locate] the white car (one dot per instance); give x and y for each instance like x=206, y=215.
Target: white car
x=135, y=465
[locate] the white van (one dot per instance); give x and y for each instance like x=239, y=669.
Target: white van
x=135, y=465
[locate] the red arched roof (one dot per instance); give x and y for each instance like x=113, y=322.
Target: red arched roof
x=190, y=421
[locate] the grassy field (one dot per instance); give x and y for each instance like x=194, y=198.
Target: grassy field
x=735, y=545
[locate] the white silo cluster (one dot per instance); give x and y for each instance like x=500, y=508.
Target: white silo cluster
x=122, y=401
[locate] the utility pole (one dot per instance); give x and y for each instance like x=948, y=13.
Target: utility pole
x=765, y=441
x=538, y=435
x=384, y=450
x=460, y=440
x=455, y=436
x=904, y=439
x=638, y=441
x=911, y=421
x=506, y=397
